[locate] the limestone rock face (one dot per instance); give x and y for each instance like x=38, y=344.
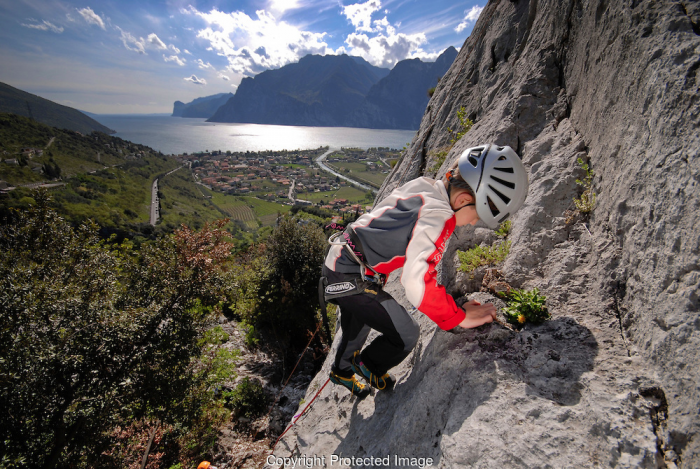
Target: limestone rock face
x=611, y=380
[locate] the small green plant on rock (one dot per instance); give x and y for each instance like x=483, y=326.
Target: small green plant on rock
x=465, y=125
x=504, y=229
x=439, y=160
x=480, y=256
x=525, y=306
x=586, y=203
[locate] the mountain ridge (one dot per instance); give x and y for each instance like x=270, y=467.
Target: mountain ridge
x=204, y=107
x=16, y=101
x=333, y=91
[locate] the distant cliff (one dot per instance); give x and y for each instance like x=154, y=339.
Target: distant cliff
x=316, y=91
x=612, y=379
x=201, y=107
x=337, y=91
x=15, y=101
x=399, y=100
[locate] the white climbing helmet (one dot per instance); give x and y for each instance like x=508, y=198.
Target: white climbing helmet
x=498, y=179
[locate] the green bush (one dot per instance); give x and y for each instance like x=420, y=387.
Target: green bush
x=480, y=256
x=95, y=335
x=248, y=399
x=275, y=288
x=525, y=306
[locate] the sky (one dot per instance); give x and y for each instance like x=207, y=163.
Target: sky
x=139, y=56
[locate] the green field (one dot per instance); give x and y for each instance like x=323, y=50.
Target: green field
x=358, y=172
x=185, y=202
x=249, y=210
x=351, y=193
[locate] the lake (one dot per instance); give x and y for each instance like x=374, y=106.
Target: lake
x=175, y=135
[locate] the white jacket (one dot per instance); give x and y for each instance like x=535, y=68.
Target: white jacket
x=408, y=229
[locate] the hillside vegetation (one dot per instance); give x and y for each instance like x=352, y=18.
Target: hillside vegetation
x=15, y=101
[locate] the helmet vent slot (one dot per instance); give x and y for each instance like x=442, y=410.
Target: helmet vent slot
x=492, y=206
x=504, y=198
x=473, y=161
x=502, y=158
x=505, y=170
x=509, y=185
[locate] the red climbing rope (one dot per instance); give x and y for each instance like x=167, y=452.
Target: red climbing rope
x=298, y=416
x=318, y=326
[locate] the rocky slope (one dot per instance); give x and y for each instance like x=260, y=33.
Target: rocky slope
x=611, y=380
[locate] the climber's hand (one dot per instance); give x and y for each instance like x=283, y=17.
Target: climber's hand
x=477, y=314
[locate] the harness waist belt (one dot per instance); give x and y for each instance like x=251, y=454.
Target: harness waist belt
x=346, y=288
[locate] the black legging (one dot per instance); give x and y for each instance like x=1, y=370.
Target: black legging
x=372, y=309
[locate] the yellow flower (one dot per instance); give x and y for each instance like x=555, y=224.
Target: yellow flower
x=522, y=319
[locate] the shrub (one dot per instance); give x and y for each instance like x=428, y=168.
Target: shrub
x=248, y=399
x=96, y=335
x=480, y=256
x=525, y=306
x=275, y=288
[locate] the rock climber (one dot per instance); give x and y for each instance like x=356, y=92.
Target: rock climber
x=410, y=229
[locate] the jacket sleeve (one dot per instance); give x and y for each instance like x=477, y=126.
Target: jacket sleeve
x=419, y=278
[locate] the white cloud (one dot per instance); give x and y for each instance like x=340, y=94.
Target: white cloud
x=131, y=43
x=360, y=14
x=155, y=42
x=45, y=26
x=203, y=65
x=91, y=17
x=385, y=50
x=472, y=16
x=383, y=24
x=281, y=6
x=174, y=58
x=187, y=52
x=252, y=45
x=152, y=42
x=196, y=81
x=223, y=77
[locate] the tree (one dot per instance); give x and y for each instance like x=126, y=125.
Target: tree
x=94, y=335
x=277, y=287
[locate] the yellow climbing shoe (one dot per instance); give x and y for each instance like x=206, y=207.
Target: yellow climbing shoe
x=352, y=384
x=385, y=382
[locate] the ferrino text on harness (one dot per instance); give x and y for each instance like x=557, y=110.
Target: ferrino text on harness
x=367, y=280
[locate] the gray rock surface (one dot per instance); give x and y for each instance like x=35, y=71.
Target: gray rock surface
x=611, y=380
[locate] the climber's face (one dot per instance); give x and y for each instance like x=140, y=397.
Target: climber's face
x=463, y=203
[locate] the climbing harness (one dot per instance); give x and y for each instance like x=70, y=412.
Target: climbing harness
x=327, y=293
